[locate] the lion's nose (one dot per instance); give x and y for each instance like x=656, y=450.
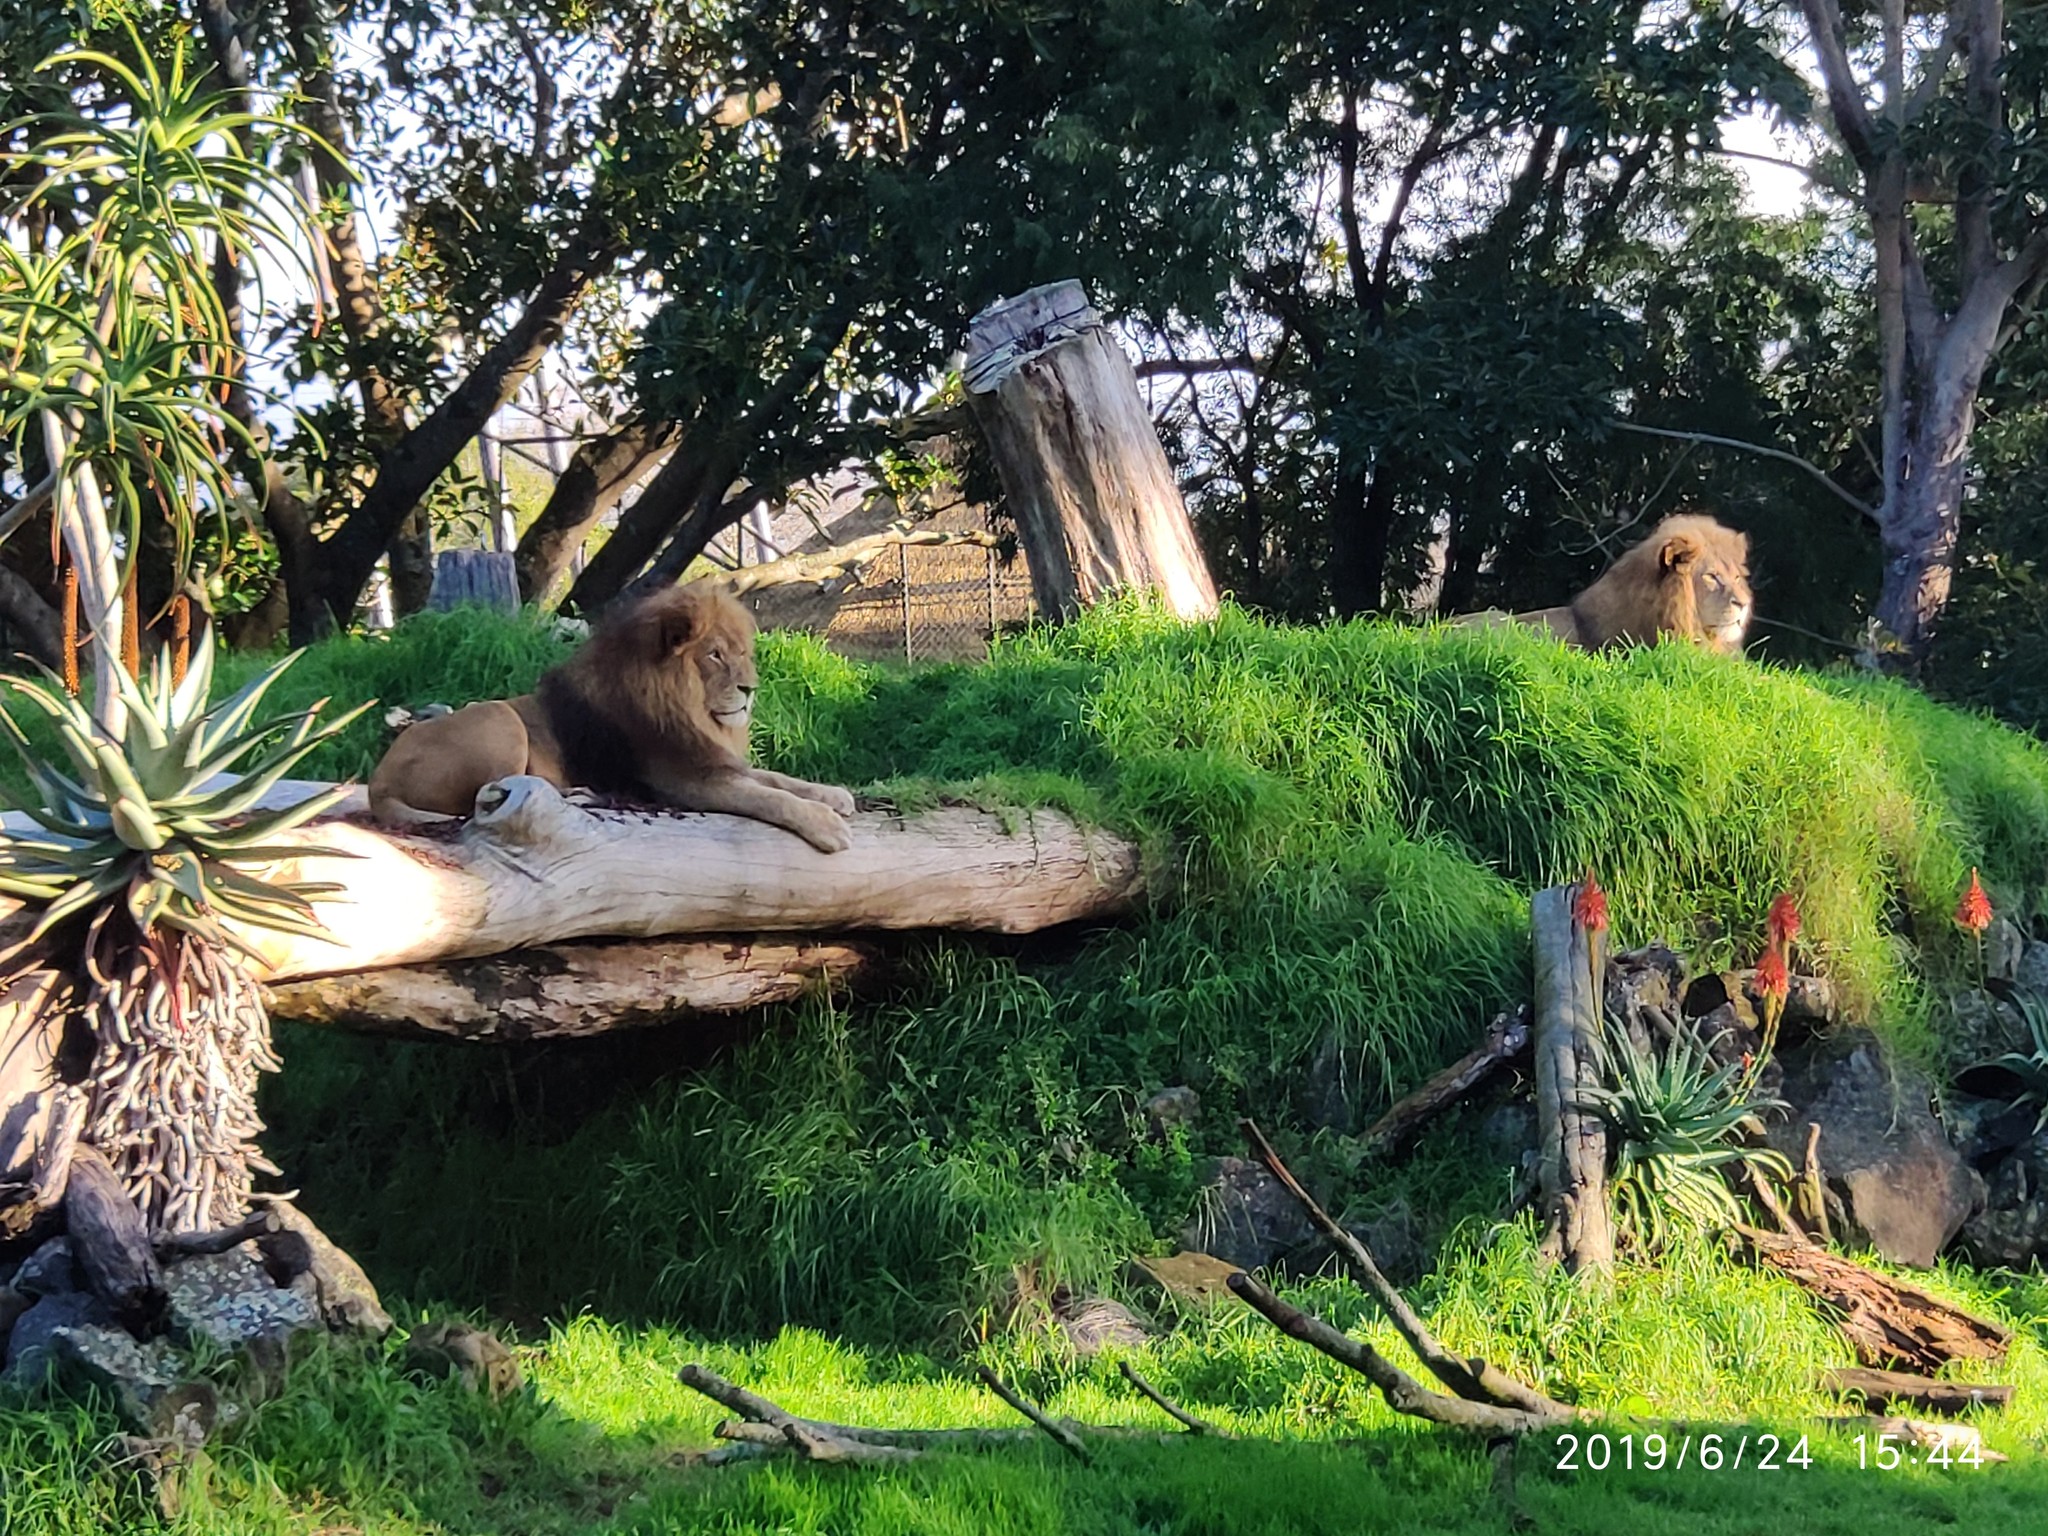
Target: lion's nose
x=747, y=689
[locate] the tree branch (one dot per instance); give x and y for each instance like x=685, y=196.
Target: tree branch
x=1845, y=97
x=1781, y=455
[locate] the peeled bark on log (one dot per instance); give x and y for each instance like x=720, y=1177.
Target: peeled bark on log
x=1882, y=1391
x=566, y=991
x=531, y=868
x=1571, y=1142
x=1094, y=498
x=1887, y=1322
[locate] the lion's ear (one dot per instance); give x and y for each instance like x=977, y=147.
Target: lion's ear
x=1679, y=551
x=682, y=624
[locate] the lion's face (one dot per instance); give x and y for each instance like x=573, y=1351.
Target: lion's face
x=703, y=641
x=1718, y=568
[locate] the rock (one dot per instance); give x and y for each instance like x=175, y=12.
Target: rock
x=145, y=1381
x=1984, y=1028
x=1394, y=1239
x=1196, y=1279
x=1327, y=1095
x=1903, y=1187
x=1170, y=1109
x=479, y=1358
x=31, y=1346
x=1508, y=1134
x=1245, y=1216
x=48, y=1271
x=12, y=1305
x=228, y=1300
x=1983, y=1130
x=2031, y=974
x=1092, y=1323
x=299, y=1255
x=2012, y=1228
x=2005, y=947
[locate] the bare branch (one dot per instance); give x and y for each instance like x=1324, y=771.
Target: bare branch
x=1241, y=362
x=1781, y=455
x=1062, y=1433
x=1167, y=1405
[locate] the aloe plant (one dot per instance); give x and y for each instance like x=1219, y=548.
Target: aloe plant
x=155, y=864
x=1674, y=1118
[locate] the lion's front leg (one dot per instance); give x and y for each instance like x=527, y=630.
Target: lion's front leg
x=829, y=795
x=737, y=793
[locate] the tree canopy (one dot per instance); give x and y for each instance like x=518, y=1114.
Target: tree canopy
x=1436, y=306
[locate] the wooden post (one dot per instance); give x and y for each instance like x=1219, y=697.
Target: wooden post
x=1095, y=501
x=1571, y=1142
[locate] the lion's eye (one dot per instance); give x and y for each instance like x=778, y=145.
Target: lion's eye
x=1713, y=581
x=716, y=654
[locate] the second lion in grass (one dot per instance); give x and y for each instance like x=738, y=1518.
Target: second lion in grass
x=655, y=706
x=1689, y=578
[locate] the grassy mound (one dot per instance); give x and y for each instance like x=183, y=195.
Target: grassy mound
x=1353, y=818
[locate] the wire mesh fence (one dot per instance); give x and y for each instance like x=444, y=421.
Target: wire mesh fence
x=929, y=603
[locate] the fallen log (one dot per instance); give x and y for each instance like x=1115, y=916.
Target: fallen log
x=565, y=991
x=531, y=868
x=1882, y=1391
x=110, y=1245
x=1887, y=1322
x=1389, y=1136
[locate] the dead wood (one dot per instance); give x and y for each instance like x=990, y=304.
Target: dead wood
x=1882, y=1391
x=1389, y=1136
x=1062, y=1433
x=1571, y=1140
x=752, y=1432
x=1404, y=1394
x=111, y=1246
x=1474, y=1380
x=181, y=1245
x=569, y=991
x=1167, y=1405
x=1810, y=1198
x=531, y=868
x=813, y=1441
x=850, y=558
x=1886, y=1321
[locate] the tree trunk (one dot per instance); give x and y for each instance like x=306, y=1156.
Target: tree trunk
x=566, y=991
x=1921, y=518
x=697, y=472
x=602, y=471
x=1571, y=1143
x=1095, y=501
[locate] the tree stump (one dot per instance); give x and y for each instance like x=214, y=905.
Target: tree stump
x=1571, y=1142
x=1095, y=501
x=484, y=578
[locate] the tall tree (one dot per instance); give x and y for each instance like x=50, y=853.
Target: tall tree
x=1960, y=251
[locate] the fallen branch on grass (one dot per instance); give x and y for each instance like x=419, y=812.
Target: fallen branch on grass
x=765, y=1428
x=1404, y=1394
x=1473, y=1380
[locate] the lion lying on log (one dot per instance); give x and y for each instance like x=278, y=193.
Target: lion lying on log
x=655, y=706
x=1689, y=578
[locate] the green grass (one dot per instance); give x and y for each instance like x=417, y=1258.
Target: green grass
x=1345, y=825
x=1349, y=821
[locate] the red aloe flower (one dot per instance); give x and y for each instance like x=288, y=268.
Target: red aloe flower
x=1773, y=979
x=1974, y=910
x=1783, y=923
x=1590, y=910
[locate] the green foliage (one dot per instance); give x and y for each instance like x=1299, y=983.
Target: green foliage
x=1675, y=1115
x=116, y=328
x=137, y=818
x=2030, y=1067
x=1344, y=826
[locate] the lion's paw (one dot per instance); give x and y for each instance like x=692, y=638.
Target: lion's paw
x=837, y=800
x=823, y=830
